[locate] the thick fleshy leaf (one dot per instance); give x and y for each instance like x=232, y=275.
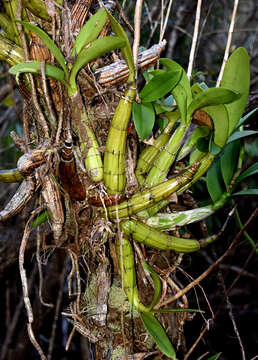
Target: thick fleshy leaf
x=247, y=192
x=182, y=92
x=159, y=86
x=34, y=68
x=89, y=31
x=241, y=134
x=143, y=118
x=247, y=117
x=157, y=284
x=219, y=116
x=228, y=161
x=236, y=76
x=126, y=50
x=98, y=47
x=214, y=181
x=48, y=42
x=252, y=170
x=212, y=96
x=215, y=357
x=158, y=334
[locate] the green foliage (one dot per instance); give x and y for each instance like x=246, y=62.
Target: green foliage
x=241, y=134
x=126, y=50
x=49, y=43
x=159, y=86
x=215, y=357
x=246, y=117
x=212, y=96
x=97, y=48
x=40, y=219
x=89, y=31
x=252, y=170
x=219, y=116
x=143, y=118
x=228, y=161
x=156, y=283
x=158, y=334
x=236, y=76
x=34, y=68
x=182, y=92
x=247, y=192
x=214, y=181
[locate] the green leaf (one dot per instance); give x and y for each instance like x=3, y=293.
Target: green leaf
x=156, y=282
x=98, y=47
x=213, y=148
x=228, y=161
x=34, y=68
x=165, y=311
x=89, y=31
x=236, y=76
x=7, y=101
x=158, y=334
x=214, y=181
x=247, y=192
x=40, y=219
x=212, y=96
x=182, y=92
x=197, y=89
x=219, y=116
x=252, y=170
x=215, y=357
x=143, y=118
x=246, y=117
x=159, y=86
x=126, y=50
x=48, y=42
x=240, y=134
x=161, y=122
x=202, y=144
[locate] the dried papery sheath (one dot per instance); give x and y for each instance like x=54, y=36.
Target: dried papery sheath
x=79, y=14
x=19, y=200
x=38, y=50
x=52, y=197
x=69, y=178
x=29, y=161
x=98, y=199
x=118, y=72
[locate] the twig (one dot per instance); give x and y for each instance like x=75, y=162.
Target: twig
x=163, y=29
x=195, y=37
x=230, y=33
x=25, y=283
x=215, y=265
x=60, y=115
x=47, y=98
x=137, y=34
x=40, y=271
x=123, y=17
